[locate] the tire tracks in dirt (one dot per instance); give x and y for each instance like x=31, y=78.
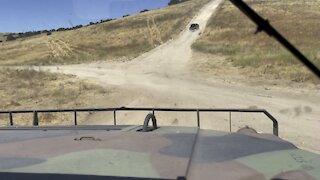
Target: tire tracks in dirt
x=162, y=77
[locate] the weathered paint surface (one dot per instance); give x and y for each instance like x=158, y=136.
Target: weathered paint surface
x=96, y=162
x=165, y=153
x=272, y=163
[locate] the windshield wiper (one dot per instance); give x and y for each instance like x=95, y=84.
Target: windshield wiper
x=264, y=25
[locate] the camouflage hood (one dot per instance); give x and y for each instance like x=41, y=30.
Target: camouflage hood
x=165, y=153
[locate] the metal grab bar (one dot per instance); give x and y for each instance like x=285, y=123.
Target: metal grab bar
x=153, y=110
x=146, y=122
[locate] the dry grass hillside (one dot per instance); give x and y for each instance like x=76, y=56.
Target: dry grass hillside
x=30, y=89
x=2, y=37
x=230, y=38
x=124, y=38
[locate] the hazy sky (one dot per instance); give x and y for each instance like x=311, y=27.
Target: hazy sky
x=29, y=15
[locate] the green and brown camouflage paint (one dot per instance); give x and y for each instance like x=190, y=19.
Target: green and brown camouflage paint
x=165, y=153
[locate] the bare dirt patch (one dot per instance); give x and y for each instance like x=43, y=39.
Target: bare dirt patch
x=165, y=77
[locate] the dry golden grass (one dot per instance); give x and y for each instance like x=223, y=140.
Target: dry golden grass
x=30, y=89
x=231, y=34
x=124, y=38
x=2, y=37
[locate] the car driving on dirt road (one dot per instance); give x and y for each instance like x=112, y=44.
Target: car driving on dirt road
x=194, y=27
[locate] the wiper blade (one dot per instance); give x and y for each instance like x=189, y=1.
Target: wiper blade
x=264, y=25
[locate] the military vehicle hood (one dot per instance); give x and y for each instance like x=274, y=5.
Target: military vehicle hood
x=164, y=153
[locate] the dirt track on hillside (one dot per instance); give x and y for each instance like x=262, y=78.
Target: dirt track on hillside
x=163, y=77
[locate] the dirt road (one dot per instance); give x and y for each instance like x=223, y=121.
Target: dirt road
x=163, y=78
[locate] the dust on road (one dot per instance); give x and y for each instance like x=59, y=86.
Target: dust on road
x=163, y=78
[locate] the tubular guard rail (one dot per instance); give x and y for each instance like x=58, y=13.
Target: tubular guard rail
x=153, y=110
